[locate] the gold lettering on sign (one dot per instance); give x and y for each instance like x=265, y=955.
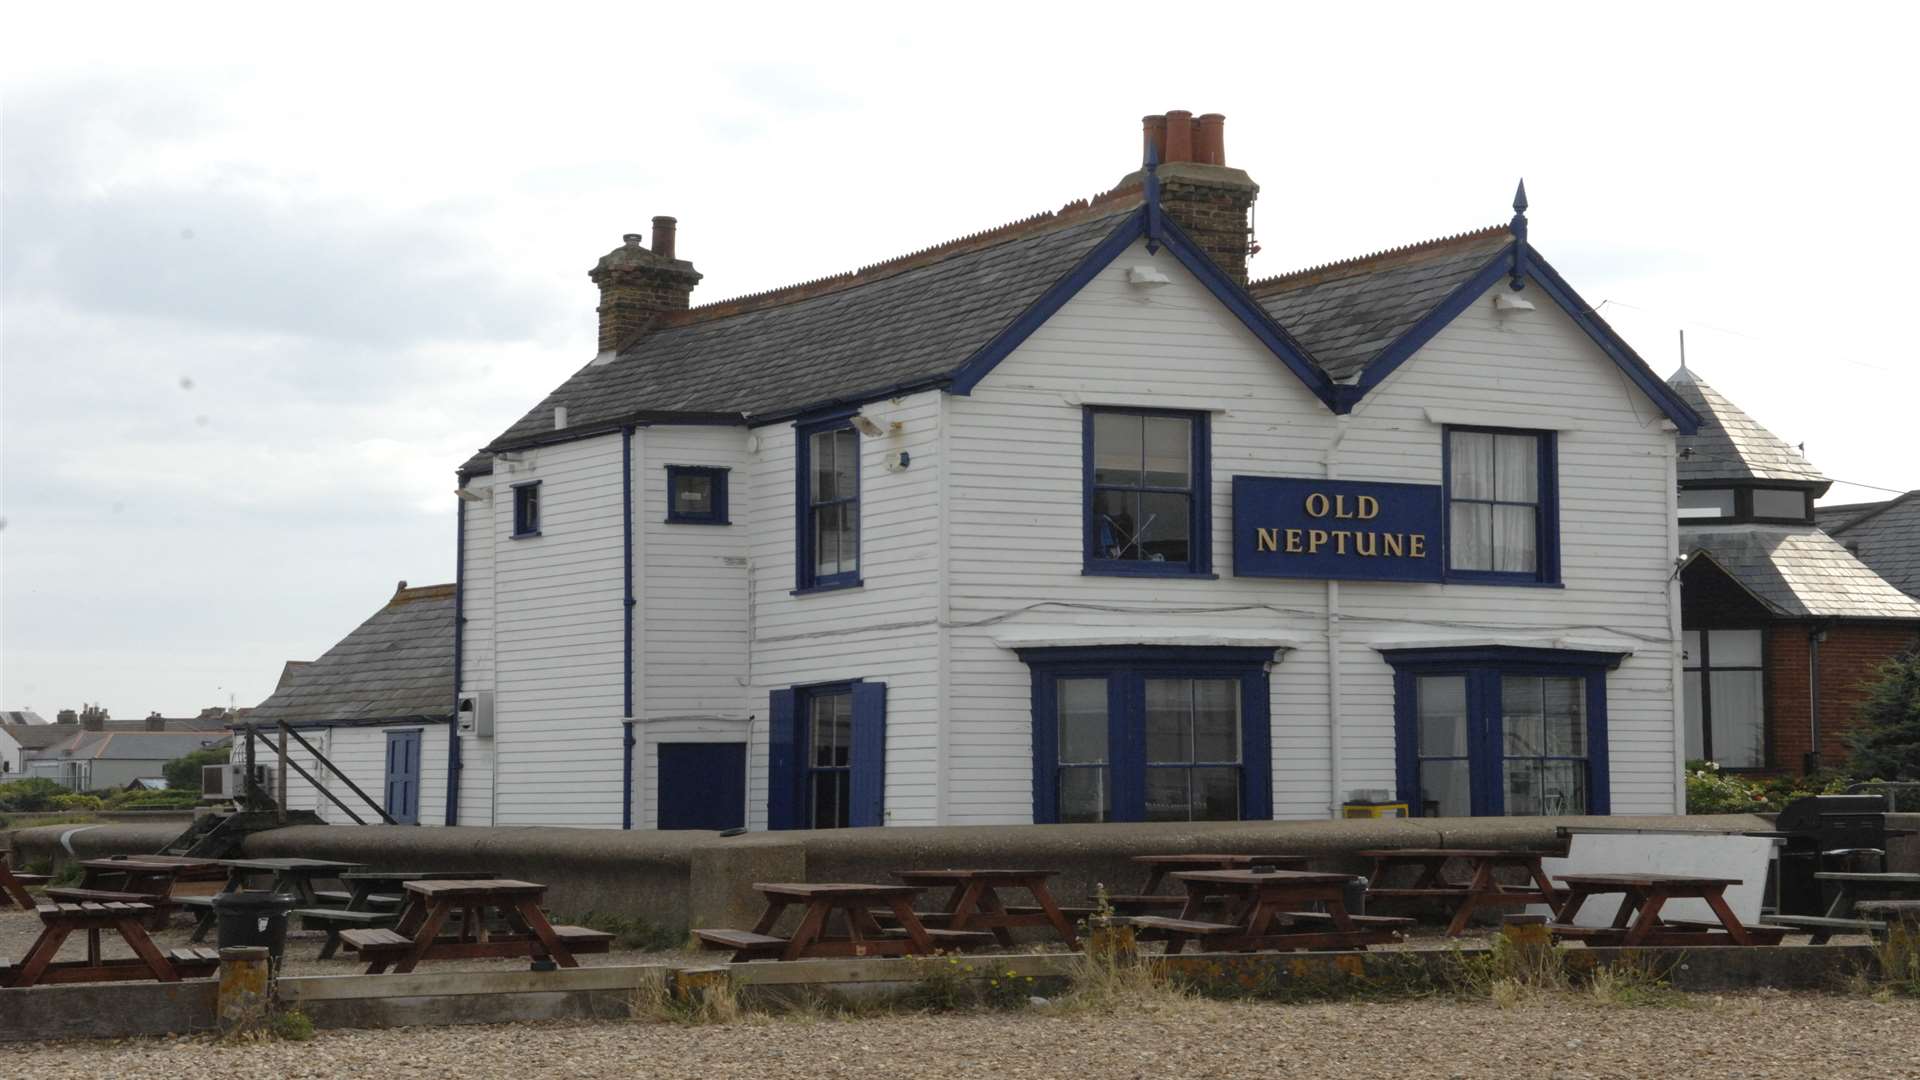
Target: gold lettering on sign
x=1315, y=538
x=1268, y=539
x=1366, y=543
x=1369, y=508
x=1417, y=545
x=1293, y=541
x=1340, y=541
x=1316, y=505
x=1393, y=544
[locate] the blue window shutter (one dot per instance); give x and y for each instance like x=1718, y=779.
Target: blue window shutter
x=783, y=762
x=868, y=784
x=1256, y=750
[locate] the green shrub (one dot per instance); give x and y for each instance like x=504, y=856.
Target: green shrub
x=30, y=795
x=73, y=800
x=169, y=799
x=1713, y=791
x=183, y=773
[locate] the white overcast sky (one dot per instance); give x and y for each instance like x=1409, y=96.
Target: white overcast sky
x=272, y=272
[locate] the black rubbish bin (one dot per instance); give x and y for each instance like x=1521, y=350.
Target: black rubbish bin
x=254, y=918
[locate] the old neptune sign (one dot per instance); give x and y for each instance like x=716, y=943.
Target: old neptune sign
x=1346, y=529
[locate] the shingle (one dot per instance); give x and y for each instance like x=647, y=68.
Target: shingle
x=1800, y=571
x=1730, y=445
x=396, y=665
x=1885, y=536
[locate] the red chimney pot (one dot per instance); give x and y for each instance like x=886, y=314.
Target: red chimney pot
x=1153, y=130
x=1179, y=135
x=1213, y=139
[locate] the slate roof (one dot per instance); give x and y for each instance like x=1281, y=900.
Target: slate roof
x=896, y=324
x=1886, y=536
x=1799, y=571
x=1346, y=313
x=42, y=736
x=1730, y=446
x=398, y=665
x=137, y=745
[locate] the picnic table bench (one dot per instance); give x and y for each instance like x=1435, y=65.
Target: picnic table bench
x=294, y=877
x=14, y=885
x=973, y=902
x=1638, y=920
x=431, y=906
x=1851, y=888
x=853, y=904
x=1481, y=890
x=59, y=921
x=1901, y=914
x=372, y=902
x=1269, y=913
x=1150, y=898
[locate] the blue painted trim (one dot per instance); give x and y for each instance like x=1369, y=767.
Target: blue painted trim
x=1546, y=520
x=626, y=571
x=626, y=776
x=1483, y=667
x=1200, y=520
x=1536, y=269
x=717, y=515
x=520, y=529
x=806, y=582
x=1126, y=669
x=867, y=779
x=836, y=586
x=454, y=764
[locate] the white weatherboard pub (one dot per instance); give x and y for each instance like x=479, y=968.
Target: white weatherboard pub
x=1068, y=522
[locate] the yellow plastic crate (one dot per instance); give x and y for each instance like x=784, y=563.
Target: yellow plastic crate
x=1374, y=809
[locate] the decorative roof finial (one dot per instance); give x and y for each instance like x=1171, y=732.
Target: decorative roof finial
x=1516, y=277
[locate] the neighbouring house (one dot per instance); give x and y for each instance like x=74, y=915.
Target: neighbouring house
x=370, y=705
x=1068, y=520
x=1783, y=623
x=1885, y=535
x=22, y=730
x=80, y=752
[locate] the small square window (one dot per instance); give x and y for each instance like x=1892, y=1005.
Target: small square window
x=696, y=495
x=526, y=509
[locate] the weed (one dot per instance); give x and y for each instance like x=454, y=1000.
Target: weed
x=713, y=1002
x=1109, y=984
x=68, y=874
x=1894, y=970
x=291, y=1025
x=1634, y=981
x=941, y=984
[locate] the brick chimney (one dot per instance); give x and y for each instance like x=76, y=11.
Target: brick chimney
x=156, y=722
x=66, y=716
x=1211, y=202
x=637, y=284
x=93, y=718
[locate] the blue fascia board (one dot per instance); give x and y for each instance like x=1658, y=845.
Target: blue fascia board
x=1136, y=226
x=1537, y=270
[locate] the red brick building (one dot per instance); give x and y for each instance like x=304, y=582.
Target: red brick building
x=1783, y=624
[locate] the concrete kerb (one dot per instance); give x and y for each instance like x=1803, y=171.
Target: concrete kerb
x=449, y=998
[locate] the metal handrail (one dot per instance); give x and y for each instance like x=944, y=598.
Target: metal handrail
x=253, y=732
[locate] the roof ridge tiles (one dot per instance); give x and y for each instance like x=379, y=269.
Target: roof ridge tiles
x=1073, y=212
x=1371, y=261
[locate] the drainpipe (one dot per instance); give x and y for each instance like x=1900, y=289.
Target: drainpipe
x=1815, y=635
x=459, y=631
x=626, y=808
x=1334, y=762
x=626, y=616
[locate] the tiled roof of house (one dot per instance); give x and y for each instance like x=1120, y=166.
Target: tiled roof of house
x=898, y=323
x=42, y=736
x=1348, y=312
x=1799, y=571
x=398, y=665
x=1730, y=446
x=137, y=745
x=1885, y=536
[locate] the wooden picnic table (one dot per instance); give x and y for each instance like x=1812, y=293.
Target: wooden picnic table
x=1638, y=920
x=1150, y=897
x=294, y=877
x=853, y=904
x=974, y=902
x=124, y=880
x=1851, y=889
x=374, y=899
x=1270, y=913
x=61, y=920
x=1480, y=890
x=430, y=908
x=14, y=886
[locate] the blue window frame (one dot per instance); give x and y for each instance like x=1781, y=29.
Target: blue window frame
x=826, y=756
x=1141, y=733
x=1501, y=731
x=827, y=504
x=696, y=495
x=1502, y=521
x=526, y=509
x=1146, y=505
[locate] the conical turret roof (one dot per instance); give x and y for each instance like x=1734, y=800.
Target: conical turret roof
x=1730, y=446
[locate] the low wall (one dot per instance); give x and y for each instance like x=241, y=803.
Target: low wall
x=678, y=879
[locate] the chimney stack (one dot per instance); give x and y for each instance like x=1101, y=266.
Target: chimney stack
x=66, y=716
x=1210, y=201
x=156, y=722
x=637, y=285
x=93, y=718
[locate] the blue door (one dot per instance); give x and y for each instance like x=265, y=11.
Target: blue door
x=703, y=786
x=403, y=777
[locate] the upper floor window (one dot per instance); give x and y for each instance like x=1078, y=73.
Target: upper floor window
x=828, y=504
x=1146, y=492
x=696, y=495
x=526, y=509
x=1725, y=687
x=1502, y=515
